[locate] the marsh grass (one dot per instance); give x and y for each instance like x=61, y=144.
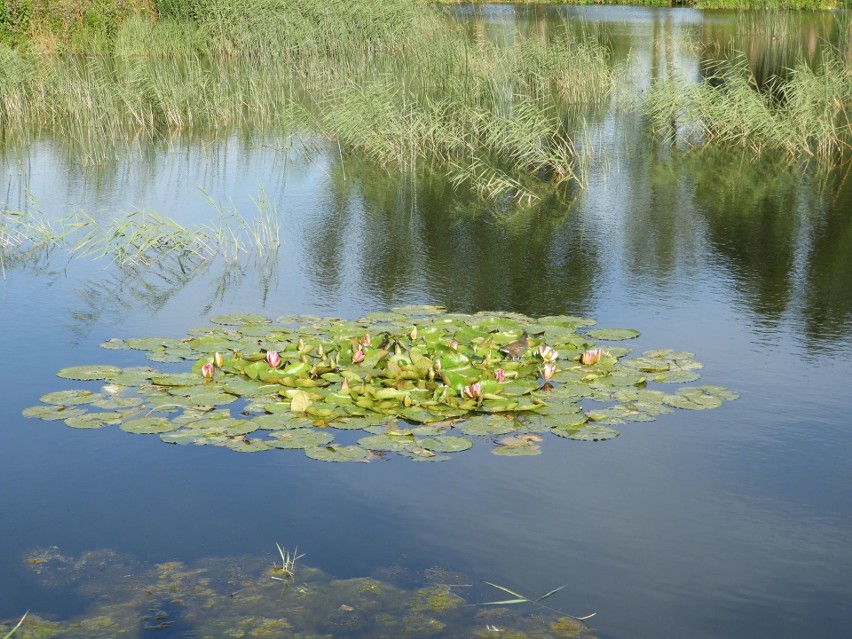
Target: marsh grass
x=395, y=81
x=805, y=114
x=143, y=239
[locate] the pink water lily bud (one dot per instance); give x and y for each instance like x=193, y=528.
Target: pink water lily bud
x=366, y=341
x=454, y=345
x=207, y=371
x=548, y=371
x=473, y=391
x=273, y=359
x=592, y=357
x=358, y=357
x=345, y=385
x=218, y=359
x=500, y=375
x=548, y=354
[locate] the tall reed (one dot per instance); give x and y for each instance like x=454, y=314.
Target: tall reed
x=805, y=114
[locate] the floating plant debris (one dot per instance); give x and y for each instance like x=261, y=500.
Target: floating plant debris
x=417, y=382
x=275, y=595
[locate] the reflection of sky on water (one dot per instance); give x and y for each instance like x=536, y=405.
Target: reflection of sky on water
x=732, y=522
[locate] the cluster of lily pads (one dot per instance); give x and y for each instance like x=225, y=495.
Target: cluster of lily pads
x=416, y=381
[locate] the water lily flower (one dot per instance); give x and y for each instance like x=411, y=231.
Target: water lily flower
x=500, y=374
x=413, y=333
x=454, y=345
x=207, y=371
x=300, y=344
x=358, y=356
x=365, y=341
x=273, y=359
x=345, y=385
x=548, y=371
x=474, y=391
x=548, y=354
x=218, y=359
x=592, y=357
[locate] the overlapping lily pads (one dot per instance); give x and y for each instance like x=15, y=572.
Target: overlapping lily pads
x=418, y=382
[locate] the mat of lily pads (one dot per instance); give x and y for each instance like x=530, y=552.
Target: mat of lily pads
x=246, y=596
x=416, y=382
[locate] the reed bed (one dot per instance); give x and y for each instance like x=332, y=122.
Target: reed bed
x=395, y=81
x=805, y=114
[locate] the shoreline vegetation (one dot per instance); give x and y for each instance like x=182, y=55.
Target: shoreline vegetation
x=398, y=82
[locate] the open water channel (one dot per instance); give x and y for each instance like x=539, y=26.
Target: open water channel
x=735, y=522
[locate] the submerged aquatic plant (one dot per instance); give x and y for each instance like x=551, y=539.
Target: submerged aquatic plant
x=18, y=625
x=233, y=596
x=420, y=393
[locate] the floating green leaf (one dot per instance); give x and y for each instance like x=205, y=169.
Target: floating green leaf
x=88, y=372
x=148, y=425
x=446, y=444
x=338, y=453
x=238, y=319
x=301, y=439
x=70, y=397
x=613, y=334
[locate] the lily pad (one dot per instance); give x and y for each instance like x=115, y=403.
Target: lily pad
x=445, y=444
x=388, y=443
x=238, y=319
x=148, y=425
x=587, y=433
x=95, y=420
x=70, y=397
x=300, y=439
x=88, y=373
x=52, y=412
x=613, y=334
x=338, y=453
x=516, y=450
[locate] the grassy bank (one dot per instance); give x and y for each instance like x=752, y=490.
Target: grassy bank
x=697, y=4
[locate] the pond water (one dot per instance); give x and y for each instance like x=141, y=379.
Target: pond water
x=734, y=522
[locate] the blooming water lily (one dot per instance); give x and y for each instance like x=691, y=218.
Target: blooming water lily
x=592, y=357
x=207, y=371
x=474, y=391
x=273, y=359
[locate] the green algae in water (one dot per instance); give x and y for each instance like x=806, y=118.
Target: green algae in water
x=418, y=382
x=238, y=597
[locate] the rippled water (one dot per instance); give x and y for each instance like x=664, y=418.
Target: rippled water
x=734, y=522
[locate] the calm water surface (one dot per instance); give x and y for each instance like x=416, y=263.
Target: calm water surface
x=728, y=523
